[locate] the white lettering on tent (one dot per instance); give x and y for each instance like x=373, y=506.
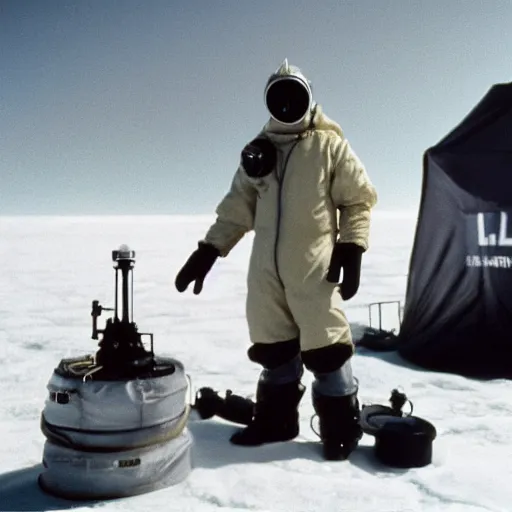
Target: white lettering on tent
x=504, y=241
x=493, y=239
x=475, y=260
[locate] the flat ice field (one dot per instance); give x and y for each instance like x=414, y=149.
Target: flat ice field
x=52, y=268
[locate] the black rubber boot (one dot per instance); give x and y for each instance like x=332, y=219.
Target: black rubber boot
x=276, y=415
x=340, y=431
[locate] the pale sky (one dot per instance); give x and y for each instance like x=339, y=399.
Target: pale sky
x=142, y=107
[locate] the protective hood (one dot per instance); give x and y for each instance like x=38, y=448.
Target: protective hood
x=288, y=95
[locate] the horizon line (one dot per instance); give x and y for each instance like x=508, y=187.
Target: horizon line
x=164, y=216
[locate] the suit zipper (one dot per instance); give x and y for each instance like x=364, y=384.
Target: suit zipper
x=280, y=180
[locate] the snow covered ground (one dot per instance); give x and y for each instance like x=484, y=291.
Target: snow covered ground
x=51, y=270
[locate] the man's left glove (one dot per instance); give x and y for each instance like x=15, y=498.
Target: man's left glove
x=197, y=267
x=346, y=256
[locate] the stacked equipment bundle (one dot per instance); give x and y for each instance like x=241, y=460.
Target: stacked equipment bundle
x=116, y=422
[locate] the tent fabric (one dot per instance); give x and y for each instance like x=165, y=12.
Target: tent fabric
x=458, y=306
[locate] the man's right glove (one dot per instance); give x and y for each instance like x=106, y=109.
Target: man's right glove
x=349, y=257
x=197, y=267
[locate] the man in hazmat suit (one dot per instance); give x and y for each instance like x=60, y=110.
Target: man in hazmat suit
x=307, y=197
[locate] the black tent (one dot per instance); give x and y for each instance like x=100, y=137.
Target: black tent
x=458, y=307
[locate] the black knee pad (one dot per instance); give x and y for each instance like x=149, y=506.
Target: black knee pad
x=327, y=359
x=272, y=355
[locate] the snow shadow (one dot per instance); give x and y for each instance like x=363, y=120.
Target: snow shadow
x=20, y=492
x=364, y=458
x=212, y=450
x=390, y=357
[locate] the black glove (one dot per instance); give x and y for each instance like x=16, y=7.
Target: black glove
x=349, y=257
x=197, y=267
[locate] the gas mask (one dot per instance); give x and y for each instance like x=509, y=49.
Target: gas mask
x=259, y=157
